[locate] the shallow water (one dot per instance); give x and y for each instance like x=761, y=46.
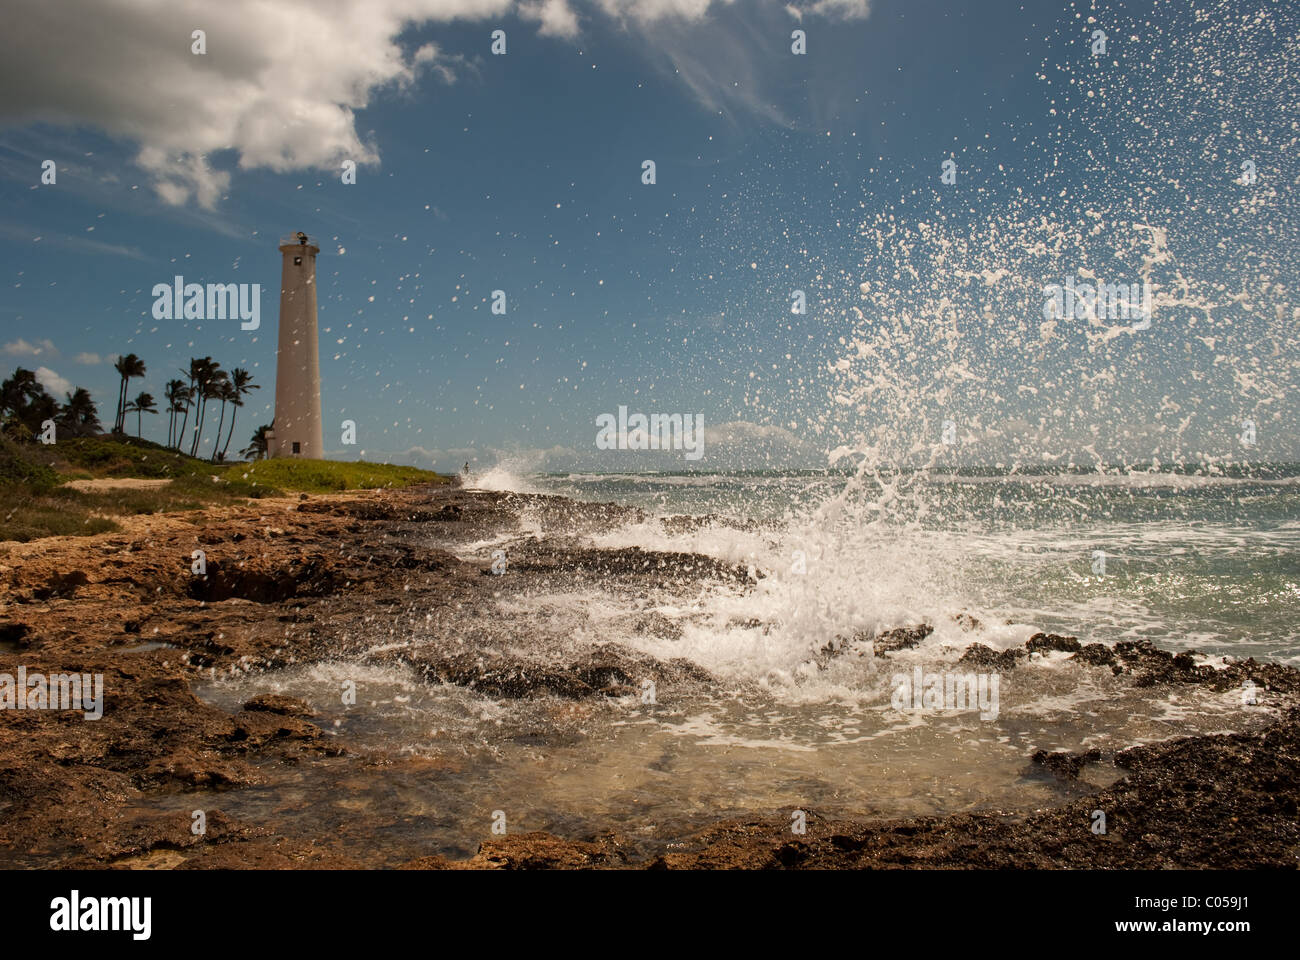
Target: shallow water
x=657, y=773
x=779, y=730
x=783, y=725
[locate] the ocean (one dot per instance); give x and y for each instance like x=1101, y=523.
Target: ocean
x=797, y=716
x=1187, y=560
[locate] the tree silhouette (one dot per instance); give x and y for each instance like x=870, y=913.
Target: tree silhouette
x=80, y=415
x=142, y=404
x=222, y=390
x=178, y=400
x=257, y=446
x=15, y=393
x=207, y=373
x=23, y=400
x=241, y=382
x=128, y=367
x=194, y=372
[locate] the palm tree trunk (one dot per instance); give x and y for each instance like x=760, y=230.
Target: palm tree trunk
x=221, y=422
x=198, y=423
x=120, y=415
x=233, y=413
x=139, y=423
x=180, y=437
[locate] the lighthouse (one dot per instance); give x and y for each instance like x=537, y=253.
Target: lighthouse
x=296, y=431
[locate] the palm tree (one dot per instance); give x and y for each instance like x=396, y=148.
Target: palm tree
x=194, y=373
x=177, y=396
x=242, y=383
x=222, y=390
x=208, y=373
x=80, y=414
x=16, y=391
x=23, y=400
x=257, y=446
x=128, y=367
x=142, y=404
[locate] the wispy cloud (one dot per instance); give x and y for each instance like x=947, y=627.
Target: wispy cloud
x=280, y=84
x=68, y=241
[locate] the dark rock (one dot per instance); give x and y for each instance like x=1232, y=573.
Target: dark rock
x=61, y=585
x=1040, y=642
x=278, y=704
x=901, y=638
x=982, y=655
x=1095, y=654
x=1065, y=764
x=263, y=582
x=15, y=636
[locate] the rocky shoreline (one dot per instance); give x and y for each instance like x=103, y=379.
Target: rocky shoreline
x=289, y=582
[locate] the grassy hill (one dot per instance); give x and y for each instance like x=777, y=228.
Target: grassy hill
x=326, y=476
x=125, y=457
x=36, y=502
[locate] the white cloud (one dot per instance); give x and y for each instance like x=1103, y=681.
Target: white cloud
x=556, y=17
x=90, y=359
x=835, y=9
x=281, y=82
x=21, y=348
x=52, y=382
x=648, y=11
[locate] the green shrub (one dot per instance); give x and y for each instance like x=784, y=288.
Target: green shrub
x=20, y=464
x=120, y=456
x=29, y=513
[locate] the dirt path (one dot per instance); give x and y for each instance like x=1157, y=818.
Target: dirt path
x=105, y=484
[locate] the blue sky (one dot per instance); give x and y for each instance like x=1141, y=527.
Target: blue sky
x=774, y=172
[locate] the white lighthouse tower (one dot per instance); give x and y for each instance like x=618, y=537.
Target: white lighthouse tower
x=296, y=431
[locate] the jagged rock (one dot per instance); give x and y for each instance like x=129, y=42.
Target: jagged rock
x=981, y=655
x=1040, y=642
x=900, y=638
x=349, y=575
x=1096, y=654
x=1065, y=764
